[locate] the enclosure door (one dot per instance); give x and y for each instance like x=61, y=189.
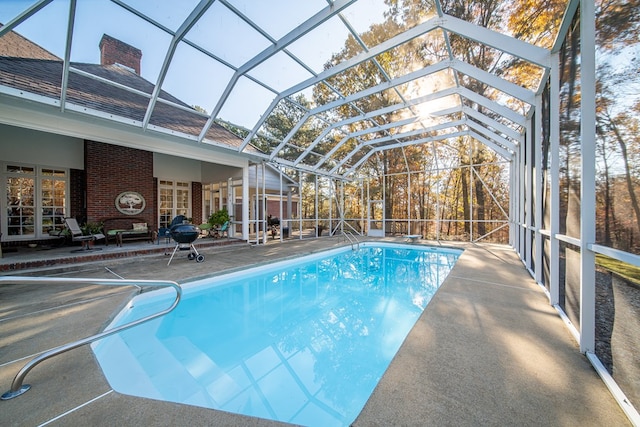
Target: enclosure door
x=376, y=218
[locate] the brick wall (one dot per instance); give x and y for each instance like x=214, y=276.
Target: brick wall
x=77, y=195
x=111, y=170
x=196, y=203
x=155, y=191
x=273, y=208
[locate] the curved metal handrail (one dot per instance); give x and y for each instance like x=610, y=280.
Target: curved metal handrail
x=349, y=235
x=17, y=388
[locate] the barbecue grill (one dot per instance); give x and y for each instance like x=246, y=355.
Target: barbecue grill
x=184, y=236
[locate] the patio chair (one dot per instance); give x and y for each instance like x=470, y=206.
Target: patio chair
x=220, y=230
x=164, y=232
x=78, y=236
x=205, y=228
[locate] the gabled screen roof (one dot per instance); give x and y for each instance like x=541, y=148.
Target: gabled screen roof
x=317, y=85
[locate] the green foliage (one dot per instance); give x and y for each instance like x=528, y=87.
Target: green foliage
x=628, y=271
x=92, y=228
x=200, y=109
x=219, y=217
x=237, y=130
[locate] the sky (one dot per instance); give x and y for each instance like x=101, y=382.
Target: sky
x=192, y=76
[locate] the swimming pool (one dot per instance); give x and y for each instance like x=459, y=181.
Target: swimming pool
x=302, y=341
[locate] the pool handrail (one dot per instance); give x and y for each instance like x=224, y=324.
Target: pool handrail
x=349, y=236
x=17, y=388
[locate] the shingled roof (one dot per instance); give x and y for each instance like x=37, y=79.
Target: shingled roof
x=14, y=45
x=27, y=67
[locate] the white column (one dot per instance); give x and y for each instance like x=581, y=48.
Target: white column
x=368, y=206
x=245, y=203
x=230, y=206
x=437, y=170
x=363, y=209
x=282, y=223
x=528, y=191
x=409, y=231
x=588, y=175
x=220, y=195
x=300, y=205
x=538, y=188
x=316, y=203
x=471, y=192
x=512, y=197
x=256, y=207
x=521, y=200
x=330, y=181
x=263, y=201
x=384, y=205
x=342, y=207
x=554, y=170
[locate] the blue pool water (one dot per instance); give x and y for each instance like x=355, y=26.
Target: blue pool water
x=303, y=342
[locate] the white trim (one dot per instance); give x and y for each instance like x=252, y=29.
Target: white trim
x=554, y=171
x=38, y=214
x=174, y=192
x=538, y=189
x=499, y=127
x=318, y=19
x=588, y=172
x=616, y=254
x=528, y=188
x=103, y=128
x=504, y=43
x=626, y=406
x=568, y=239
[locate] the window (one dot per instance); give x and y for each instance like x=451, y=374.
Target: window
x=36, y=201
x=174, y=199
x=213, y=199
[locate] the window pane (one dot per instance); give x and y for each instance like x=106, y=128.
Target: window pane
x=173, y=201
x=20, y=169
x=570, y=133
x=165, y=205
x=53, y=196
x=20, y=207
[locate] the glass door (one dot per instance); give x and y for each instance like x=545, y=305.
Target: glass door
x=376, y=218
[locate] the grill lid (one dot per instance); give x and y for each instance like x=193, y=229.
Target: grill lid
x=184, y=233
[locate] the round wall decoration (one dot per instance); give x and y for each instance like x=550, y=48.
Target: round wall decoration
x=130, y=203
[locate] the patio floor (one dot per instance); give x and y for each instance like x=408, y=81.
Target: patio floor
x=488, y=349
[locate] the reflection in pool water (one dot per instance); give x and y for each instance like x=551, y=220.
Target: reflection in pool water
x=304, y=343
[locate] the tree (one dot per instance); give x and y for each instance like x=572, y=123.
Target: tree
x=618, y=104
x=526, y=19
x=616, y=131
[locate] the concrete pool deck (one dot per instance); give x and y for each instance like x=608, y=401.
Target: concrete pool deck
x=488, y=349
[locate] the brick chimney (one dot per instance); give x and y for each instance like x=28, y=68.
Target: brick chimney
x=113, y=51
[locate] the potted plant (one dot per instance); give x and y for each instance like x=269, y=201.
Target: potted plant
x=92, y=228
x=219, y=217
